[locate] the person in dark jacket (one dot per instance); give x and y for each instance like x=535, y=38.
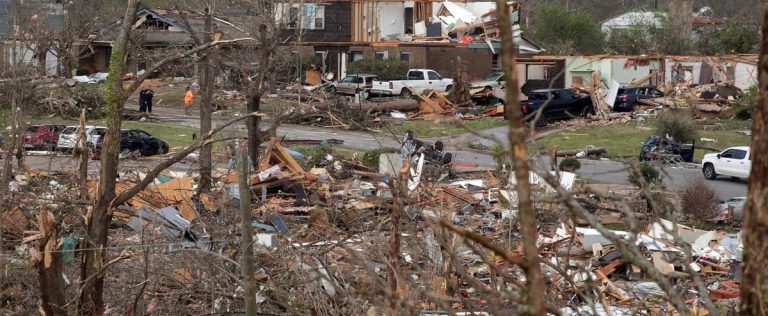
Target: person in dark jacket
x=145, y=99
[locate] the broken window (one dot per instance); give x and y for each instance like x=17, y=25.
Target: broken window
x=357, y=56
x=495, y=61
x=408, y=20
x=293, y=16
x=319, y=18
x=381, y=55
x=405, y=56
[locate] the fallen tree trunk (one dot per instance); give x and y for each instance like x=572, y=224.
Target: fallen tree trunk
x=590, y=152
x=400, y=105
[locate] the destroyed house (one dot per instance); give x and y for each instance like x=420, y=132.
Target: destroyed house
x=654, y=70
x=425, y=33
x=159, y=31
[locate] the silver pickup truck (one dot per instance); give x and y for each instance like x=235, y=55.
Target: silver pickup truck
x=417, y=80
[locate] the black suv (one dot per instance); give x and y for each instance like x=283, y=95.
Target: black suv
x=626, y=99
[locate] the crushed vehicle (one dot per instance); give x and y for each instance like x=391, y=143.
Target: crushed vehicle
x=667, y=149
x=415, y=81
x=69, y=136
x=730, y=210
x=733, y=162
x=626, y=99
x=554, y=104
x=352, y=84
x=42, y=136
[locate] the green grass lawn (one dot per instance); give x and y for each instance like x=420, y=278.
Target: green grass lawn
x=176, y=136
x=623, y=140
x=427, y=129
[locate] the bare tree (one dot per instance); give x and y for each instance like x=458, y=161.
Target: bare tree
x=755, y=225
x=92, y=277
x=534, y=281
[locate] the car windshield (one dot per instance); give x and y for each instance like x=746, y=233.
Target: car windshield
x=69, y=130
x=493, y=77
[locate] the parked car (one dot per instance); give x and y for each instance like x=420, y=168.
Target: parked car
x=41, y=136
x=132, y=140
x=488, y=83
x=626, y=99
x=560, y=104
x=143, y=142
x=416, y=79
x=69, y=136
x=733, y=162
x=352, y=84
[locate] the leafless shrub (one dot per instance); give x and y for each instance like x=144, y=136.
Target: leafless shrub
x=699, y=200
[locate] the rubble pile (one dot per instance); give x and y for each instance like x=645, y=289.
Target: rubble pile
x=324, y=235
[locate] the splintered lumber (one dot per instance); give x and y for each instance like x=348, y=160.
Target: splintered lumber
x=663, y=101
x=590, y=152
x=176, y=193
x=642, y=80
x=399, y=105
x=277, y=155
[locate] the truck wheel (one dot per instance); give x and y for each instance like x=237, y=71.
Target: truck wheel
x=449, y=88
x=542, y=121
x=406, y=93
x=709, y=172
x=331, y=90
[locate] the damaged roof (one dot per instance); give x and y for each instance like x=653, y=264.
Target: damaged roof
x=164, y=27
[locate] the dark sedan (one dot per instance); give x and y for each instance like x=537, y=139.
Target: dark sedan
x=143, y=142
x=136, y=140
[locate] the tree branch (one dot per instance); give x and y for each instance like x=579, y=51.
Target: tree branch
x=135, y=85
x=150, y=177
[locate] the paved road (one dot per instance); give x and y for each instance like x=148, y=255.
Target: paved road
x=675, y=178
x=610, y=172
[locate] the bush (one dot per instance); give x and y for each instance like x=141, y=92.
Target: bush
x=646, y=171
x=385, y=69
x=734, y=38
x=634, y=40
x=677, y=125
x=699, y=201
x=563, y=32
x=570, y=165
x=745, y=105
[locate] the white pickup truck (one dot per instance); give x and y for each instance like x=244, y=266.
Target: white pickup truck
x=417, y=80
x=733, y=162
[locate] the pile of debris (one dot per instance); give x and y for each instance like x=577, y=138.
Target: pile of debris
x=329, y=229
